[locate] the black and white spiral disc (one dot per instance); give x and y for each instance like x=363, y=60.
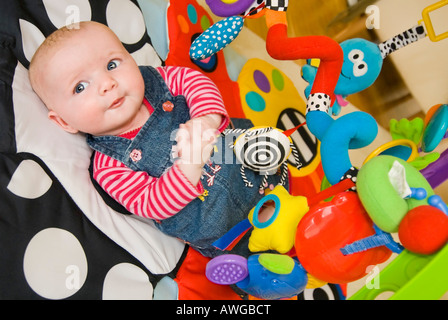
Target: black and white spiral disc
x=262, y=150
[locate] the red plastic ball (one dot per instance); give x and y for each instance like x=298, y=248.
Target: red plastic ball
x=424, y=230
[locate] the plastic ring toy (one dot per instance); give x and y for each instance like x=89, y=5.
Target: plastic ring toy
x=426, y=18
x=392, y=144
x=435, y=129
x=256, y=222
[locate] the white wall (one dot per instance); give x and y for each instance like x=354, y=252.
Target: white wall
x=424, y=64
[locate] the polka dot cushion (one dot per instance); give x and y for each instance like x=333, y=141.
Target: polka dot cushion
x=58, y=238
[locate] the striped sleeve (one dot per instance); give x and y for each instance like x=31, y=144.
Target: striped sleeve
x=203, y=96
x=141, y=194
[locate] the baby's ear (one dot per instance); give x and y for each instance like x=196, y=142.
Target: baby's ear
x=53, y=116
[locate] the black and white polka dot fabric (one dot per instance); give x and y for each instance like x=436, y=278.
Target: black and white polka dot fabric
x=318, y=102
x=351, y=174
x=401, y=40
x=58, y=238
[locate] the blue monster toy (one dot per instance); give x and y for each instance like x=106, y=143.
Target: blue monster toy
x=362, y=65
x=351, y=131
x=363, y=61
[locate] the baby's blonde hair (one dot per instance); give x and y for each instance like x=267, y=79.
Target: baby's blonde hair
x=49, y=45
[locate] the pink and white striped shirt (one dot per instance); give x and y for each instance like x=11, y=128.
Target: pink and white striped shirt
x=161, y=198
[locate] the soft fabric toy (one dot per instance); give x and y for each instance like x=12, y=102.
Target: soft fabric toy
x=384, y=186
x=352, y=131
x=363, y=61
x=424, y=230
x=362, y=66
x=263, y=150
x=278, y=231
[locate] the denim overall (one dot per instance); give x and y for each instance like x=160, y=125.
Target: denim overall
x=226, y=202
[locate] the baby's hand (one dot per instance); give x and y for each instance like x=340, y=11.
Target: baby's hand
x=196, y=137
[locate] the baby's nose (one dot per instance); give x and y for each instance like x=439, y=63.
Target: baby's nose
x=108, y=84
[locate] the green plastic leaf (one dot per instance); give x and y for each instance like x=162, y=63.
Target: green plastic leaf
x=422, y=162
x=405, y=129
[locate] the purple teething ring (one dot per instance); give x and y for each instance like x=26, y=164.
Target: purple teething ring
x=222, y=9
x=227, y=269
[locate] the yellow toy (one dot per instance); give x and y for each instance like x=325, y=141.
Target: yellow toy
x=278, y=231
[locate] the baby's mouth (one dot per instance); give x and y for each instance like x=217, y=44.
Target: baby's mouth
x=117, y=103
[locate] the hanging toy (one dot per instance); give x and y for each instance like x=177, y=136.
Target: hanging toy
x=278, y=44
x=264, y=150
x=217, y=37
x=363, y=59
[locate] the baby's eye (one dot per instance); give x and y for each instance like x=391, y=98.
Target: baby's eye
x=80, y=87
x=113, y=64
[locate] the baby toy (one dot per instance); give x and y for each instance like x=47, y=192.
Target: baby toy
x=336, y=240
x=383, y=187
x=265, y=276
x=278, y=44
x=363, y=60
x=380, y=238
x=277, y=232
x=406, y=137
x=326, y=229
x=436, y=127
x=350, y=131
x=424, y=229
x=399, y=199
x=263, y=150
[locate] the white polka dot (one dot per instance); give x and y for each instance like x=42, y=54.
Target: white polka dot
x=126, y=281
x=31, y=38
x=55, y=264
x=126, y=20
x=166, y=289
x=29, y=180
x=66, y=12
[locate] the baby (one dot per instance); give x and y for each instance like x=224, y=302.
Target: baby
x=134, y=118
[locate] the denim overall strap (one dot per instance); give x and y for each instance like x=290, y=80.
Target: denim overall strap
x=151, y=149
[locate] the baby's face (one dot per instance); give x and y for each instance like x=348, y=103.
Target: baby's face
x=92, y=84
